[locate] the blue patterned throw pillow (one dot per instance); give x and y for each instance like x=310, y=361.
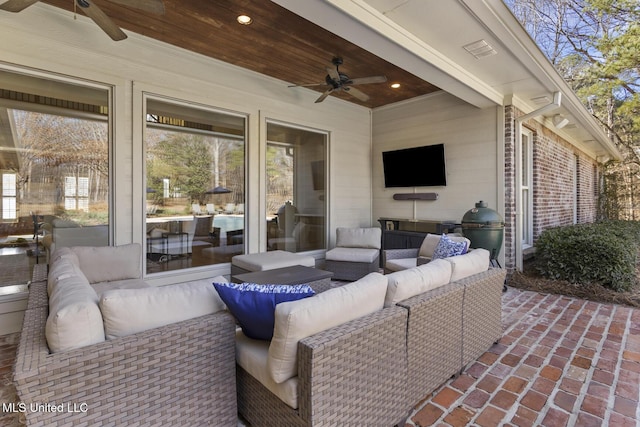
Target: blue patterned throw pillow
x=254, y=305
x=447, y=247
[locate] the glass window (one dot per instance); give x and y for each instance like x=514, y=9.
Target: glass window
x=195, y=186
x=296, y=183
x=526, y=188
x=54, y=161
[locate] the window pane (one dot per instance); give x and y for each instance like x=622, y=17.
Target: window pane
x=195, y=167
x=55, y=164
x=525, y=160
x=295, y=188
x=8, y=208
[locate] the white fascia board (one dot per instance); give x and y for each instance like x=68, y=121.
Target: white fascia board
x=356, y=21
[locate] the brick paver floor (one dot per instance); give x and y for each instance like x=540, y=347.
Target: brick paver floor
x=561, y=362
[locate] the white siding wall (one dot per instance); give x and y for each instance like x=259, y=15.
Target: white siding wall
x=46, y=38
x=470, y=138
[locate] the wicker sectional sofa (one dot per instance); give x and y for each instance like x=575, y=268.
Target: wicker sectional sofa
x=180, y=371
x=372, y=369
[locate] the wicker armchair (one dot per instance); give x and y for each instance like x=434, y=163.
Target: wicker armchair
x=178, y=374
x=357, y=253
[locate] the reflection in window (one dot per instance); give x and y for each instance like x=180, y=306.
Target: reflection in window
x=54, y=161
x=9, y=196
x=195, y=188
x=296, y=219
x=76, y=193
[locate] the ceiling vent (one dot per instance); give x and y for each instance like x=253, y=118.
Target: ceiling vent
x=480, y=49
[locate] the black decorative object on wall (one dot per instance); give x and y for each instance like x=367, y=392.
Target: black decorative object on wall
x=415, y=196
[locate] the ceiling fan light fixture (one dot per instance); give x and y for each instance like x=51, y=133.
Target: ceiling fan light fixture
x=244, y=19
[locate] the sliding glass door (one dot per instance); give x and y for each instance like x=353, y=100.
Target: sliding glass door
x=195, y=185
x=296, y=188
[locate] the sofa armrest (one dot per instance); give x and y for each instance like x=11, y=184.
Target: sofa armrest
x=482, y=312
x=388, y=254
x=160, y=374
x=361, y=360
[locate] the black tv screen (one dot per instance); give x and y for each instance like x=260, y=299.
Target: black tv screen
x=415, y=167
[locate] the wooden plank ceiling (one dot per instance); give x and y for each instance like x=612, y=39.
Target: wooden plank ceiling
x=278, y=43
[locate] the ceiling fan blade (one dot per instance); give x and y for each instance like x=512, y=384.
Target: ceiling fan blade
x=310, y=85
x=324, y=95
x=151, y=6
x=333, y=73
x=357, y=93
x=16, y=5
x=367, y=80
x=100, y=18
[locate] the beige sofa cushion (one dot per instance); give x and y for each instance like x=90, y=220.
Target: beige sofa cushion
x=429, y=245
x=400, y=264
x=109, y=263
x=61, y=270
x=414, y=281
x=359, y=237
x=296, y=320
x=102, y=287
x=352, y=255
x=271, y=260
x=128, y=311
x=252, y=356
x=74, y=317
x=64, y=253
x=473, y=262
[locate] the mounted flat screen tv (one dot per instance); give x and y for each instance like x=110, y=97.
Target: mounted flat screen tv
x=415, y=167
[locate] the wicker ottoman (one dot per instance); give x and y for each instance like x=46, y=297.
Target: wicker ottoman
x=268, y=261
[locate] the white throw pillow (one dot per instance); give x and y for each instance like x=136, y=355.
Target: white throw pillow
x=74, y=317
x=471, y=263
x=109, y=263
x=296, y=320
x=408, y=283
x=128, y=311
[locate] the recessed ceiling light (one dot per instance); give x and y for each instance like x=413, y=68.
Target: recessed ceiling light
x=395, y=85
x=244, y=19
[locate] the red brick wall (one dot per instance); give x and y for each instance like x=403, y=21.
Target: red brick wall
x=565, y=183
x=553, y=183
x=587, y=190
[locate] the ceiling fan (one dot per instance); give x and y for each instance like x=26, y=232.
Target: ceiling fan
x=95, y=13
x=335, y=80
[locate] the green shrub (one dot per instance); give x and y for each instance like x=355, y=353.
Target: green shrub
x=602, y=253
